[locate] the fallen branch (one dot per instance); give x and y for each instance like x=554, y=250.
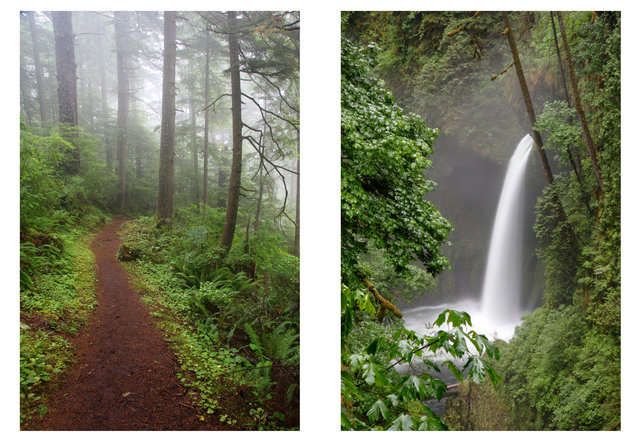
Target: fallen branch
x=384, y=304
x=493, y=77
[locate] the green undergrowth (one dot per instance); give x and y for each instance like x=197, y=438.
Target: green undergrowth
x=232, y=324
x=202, y=370
x=57, y=296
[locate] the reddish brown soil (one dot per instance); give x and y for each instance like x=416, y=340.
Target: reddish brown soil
x=124, y=378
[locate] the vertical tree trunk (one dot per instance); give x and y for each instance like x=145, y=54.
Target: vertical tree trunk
x=205, y=149
x=222, y=175
x=256, y=224
x=527, y=99
x=164, y=208
x=66, y=73
x=108, y=151
x=38, y=67
x=575, y=164
x=578, y=103
x=90, y=100
x=296, y=237
x=25, y=104
x=233, y=197
x=122, y=27
x=261, y=166
x=573, y=159
x=194, y=145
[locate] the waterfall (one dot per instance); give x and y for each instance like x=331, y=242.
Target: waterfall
x=502, y=281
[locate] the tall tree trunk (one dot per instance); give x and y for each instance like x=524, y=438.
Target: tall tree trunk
x=256, y=224
x=205, y=149
x=194, y=145
x=38, y=66
x=89, y=100
x=24, y=108
x=233, y=197
x=164, y=208
x=575, y=164
x=261, y=166
x=53, y=100
x=296, y=237
x=527, y=99
x=122, y=27
x=578, y=103
x=222, y=175
x=575, y=161
x=25, y=104
x=108, y=150
x=66, y=73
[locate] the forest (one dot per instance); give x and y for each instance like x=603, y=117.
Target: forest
x=159, y=220
x=433, y=105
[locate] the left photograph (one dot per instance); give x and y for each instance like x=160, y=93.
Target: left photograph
x=159, y=220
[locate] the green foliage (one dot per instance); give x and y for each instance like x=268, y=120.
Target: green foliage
x=477, y=407
x=375, y=396
x=40, y=178
x=384, y=214
x=56, y=298
x=384, y=154
x=557, y=249
x=43, y=356
x=562, y=368
x=232, y=333
x=554, y=124
x=439, y=65
x=559, y=374
x=414, y=282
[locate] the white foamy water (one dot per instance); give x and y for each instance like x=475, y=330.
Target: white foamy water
x=420, y=319
x=502, y=287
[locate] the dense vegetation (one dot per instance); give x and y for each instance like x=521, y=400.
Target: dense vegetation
x=229, y=308
x=561, y=370
x=384, y=154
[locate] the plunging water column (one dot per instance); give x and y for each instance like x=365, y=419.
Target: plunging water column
x=502, y=281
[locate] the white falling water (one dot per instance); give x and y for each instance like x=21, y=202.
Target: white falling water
x=502, y=281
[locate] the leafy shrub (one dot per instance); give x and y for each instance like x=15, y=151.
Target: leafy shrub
x=42, y=357
x=207, y=306
x=375, y=396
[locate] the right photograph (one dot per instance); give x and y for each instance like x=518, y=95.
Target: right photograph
x=480, y=220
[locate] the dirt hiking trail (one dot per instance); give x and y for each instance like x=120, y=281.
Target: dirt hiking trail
x=124, y=378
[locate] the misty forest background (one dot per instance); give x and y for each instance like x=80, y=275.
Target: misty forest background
x=469, y=75
x=188, y=124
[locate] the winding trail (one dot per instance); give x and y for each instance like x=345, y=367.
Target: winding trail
x=125, y=375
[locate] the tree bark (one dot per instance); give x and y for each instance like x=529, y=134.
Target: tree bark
x=67, y=87
x=194, y=145
x=164, y=208
x=121, y=21
x=256, y=224
x=222, y=175
x=296, y=237
x=578, y=103
x=575, y=164
x=108, y=150
x=233, y=197
x=573, y=159
x=25, y=104
x=527, y=99
x=38, y=66
x=205, y=149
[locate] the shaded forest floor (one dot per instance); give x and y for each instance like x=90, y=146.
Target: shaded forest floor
x=125, y=374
